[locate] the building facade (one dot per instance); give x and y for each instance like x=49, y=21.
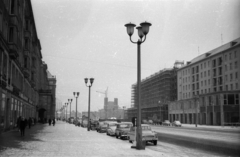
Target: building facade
x=23, y=74
x=208, y=88
x=157, y=91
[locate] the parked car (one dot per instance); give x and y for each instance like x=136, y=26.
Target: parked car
x=176, y=123
x=147, y=134
x=166, y=123
x=99, y=124
x=93, y=125
x=111, y=127
x=122, y=129
x=102, y=128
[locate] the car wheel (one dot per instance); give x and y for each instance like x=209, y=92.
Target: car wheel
x=130, y=141
x=155, y=143
x=116, y=136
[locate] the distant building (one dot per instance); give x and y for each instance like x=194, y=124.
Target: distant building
x=208, y=88
x=157, y=91
x=111, y=109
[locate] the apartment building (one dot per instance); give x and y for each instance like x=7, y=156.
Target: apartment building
x=24, y=82
x=157, y=91
x=208, y=88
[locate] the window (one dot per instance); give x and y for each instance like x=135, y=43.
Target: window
x=25, y=62
x=236, y=65
x=201, y=75
x=231, y=77
x=225, y=67
x=1, y=21
x=236, y=75
x=235, y=54
x=230, y=66
x=226, y=87
x=226, y=77
x=10, y=36
x=12, y=6
x=205, y=73
x=204, y=64
x=208, y=72
x=5, y=30
x=209, y=81
x=231, y=86
x=201, y=66
x=26, y=46
x=205, y=82
x=236, y=85
x=230, y=56
x=225, y=57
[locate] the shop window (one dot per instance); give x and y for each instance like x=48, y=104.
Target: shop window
x=237, y=99
x=231, y=99
x=225, y=99
x=1, y=21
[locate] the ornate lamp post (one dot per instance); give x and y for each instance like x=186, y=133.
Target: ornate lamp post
x=66, y=104
x=76, y=94
x=89, y=86
x=142, y=32
x=70, y=101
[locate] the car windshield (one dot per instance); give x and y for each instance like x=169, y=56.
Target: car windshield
x=124, y=125
x=146, y=128
x=113, y=127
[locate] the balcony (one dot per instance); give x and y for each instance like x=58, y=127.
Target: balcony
x=26, y=73
x=45, y=91
x=14, y=20
x=13, y=54
x=27, y=33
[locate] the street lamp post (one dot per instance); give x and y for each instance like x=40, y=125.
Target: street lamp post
x=76, y=94
x=70, y=101
x=142, y=32
x=66, y=112
x=89, y=86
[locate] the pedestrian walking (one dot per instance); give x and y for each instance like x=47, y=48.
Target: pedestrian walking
x=29, y=122
x=53, y=121
x=18, y=123
x=22, y=125
x=49, y=121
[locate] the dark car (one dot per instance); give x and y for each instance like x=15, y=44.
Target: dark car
x=98, y=125
x=93, y=125
x=102, y=128
x=123, y=129
x=166, y=123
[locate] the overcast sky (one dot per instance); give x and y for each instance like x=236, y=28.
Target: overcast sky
x=87, y=38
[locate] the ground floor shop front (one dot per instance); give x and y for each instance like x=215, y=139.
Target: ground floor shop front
x=216, y=109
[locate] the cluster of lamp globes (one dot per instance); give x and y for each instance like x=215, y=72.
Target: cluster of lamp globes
x=143, y=29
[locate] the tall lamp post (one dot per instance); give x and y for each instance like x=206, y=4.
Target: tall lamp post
x=142, y=32
x=70, y=101
x=89, y=86
x=76, y=94
x=66, y=104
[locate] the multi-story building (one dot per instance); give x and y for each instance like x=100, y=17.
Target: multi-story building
x=208, y=88
x=23, y=74
x=157, y=91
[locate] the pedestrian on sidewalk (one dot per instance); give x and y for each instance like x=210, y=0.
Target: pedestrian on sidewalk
x=29, y=122
x=53, y=121
x=18, y=123
x=22, y=126
x=49, y=121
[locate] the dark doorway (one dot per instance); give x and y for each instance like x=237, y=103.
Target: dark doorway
x=41, y=115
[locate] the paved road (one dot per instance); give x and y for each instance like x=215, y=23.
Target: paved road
x=224, y=141
x=65, y=140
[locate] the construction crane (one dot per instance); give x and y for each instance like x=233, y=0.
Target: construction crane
x=105, y=93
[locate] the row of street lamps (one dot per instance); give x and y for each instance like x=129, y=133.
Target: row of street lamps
x=76, y=95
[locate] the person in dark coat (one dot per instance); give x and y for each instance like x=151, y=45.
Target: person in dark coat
x=22, y=126
x=53, y=122
x=18, y=123
x=29, y=122
x=49, y=121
